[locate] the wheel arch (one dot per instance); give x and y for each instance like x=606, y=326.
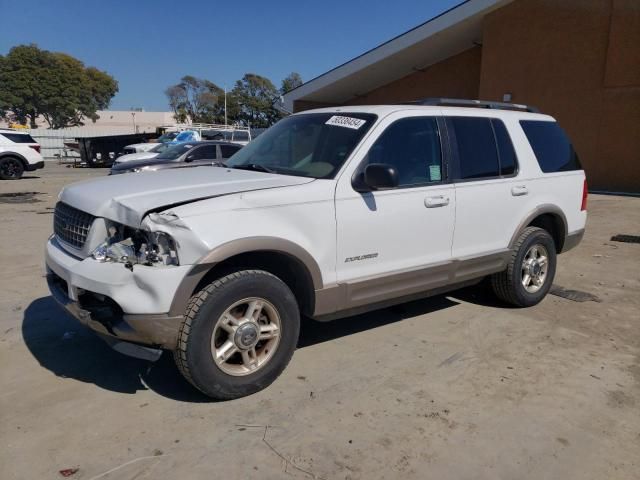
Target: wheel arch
x=22, y=159
x=548, y=217
x=290, y=262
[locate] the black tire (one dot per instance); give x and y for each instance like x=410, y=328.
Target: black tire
x=508, y=285
x=193, y=354
x=11, y=168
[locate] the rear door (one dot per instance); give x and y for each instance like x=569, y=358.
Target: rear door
x=491, y=193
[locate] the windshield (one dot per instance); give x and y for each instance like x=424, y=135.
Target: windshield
x=310, y=145
x=167, y=137
x=175, y=151
x=161, y=147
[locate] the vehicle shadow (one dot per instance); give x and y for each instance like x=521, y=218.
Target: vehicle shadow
x=313, y=332
x=69, y=350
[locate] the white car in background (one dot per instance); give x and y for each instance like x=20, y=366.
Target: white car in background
x=19, y=152
x=145, y=147
x=156, y=149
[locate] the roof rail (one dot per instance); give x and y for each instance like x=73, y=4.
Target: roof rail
x=462, y=102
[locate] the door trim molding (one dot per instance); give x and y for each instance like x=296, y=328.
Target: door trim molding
x=369, y=292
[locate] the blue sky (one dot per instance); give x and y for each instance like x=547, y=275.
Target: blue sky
x=148, y=45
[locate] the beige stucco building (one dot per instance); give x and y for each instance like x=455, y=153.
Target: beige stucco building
x=578, y=60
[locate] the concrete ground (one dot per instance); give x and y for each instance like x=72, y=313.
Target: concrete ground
x=452, y=387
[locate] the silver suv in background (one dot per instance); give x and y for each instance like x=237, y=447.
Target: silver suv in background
x=183, y=155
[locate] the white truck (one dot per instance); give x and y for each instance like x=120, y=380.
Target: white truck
x=328, y=213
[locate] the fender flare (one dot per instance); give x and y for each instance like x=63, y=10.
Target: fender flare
x=536, y=212
x=237, y=247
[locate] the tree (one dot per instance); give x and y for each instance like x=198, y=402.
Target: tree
x=255, y=96
x=198, y=99
x=291, y=81
x=57, y=86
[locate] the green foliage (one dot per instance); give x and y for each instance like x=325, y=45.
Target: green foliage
x=254, y=98
x=55, y=85
x=198, y=99
x=291, y=81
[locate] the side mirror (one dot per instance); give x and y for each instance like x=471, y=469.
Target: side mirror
x=376, y=176
x=190, y=158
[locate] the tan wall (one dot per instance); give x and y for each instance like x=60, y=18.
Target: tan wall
x=577, y=60
x=457, y=76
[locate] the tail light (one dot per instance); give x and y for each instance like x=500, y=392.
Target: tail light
x=36, y=148
x=585, y=193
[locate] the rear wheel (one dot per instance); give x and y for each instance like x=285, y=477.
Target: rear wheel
x=530, y=271
x=239, y=334
x=11, y=168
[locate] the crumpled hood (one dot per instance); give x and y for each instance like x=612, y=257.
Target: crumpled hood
x=128, y=198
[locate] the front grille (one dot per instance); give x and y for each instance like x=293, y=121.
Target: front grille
x=71, y=225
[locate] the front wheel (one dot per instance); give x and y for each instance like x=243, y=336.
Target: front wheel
x=238, y=335
x=530, y=271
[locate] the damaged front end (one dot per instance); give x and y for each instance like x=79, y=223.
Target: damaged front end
x=132, y=246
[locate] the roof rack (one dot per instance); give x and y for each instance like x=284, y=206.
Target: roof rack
x=462, y=102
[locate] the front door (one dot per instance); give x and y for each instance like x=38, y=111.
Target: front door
x=394, y=242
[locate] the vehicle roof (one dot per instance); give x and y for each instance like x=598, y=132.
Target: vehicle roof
x=383, y=110
x=215, y=142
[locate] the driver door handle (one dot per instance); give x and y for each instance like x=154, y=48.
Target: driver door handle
x=434, y=202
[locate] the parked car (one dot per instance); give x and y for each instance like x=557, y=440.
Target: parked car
x=19, y=152
x=148, y=146
x=329, y=213
x=181, y=155
x=240, y=135
x=157, y=149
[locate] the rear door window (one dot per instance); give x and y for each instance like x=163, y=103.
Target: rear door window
x=506, y=152
x=18, y=137
x=204, y=152
x=228, y=150
x=477, y=152
x=551, y=146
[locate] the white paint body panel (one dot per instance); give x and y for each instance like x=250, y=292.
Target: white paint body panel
x=23, y=149
x=206, y=207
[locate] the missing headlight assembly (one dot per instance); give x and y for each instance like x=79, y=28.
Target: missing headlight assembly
x=132, y=246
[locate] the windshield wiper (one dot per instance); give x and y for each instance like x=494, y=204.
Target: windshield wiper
x=255, y=167
x=218, y=163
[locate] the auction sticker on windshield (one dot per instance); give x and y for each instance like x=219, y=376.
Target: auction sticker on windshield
x=348, y=122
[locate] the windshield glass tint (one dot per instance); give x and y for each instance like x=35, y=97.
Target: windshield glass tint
x=161, y=147
x=174, y=152
x=310, y=145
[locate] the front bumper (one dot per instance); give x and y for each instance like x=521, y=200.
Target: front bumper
x=34, y=166
x=127, y=305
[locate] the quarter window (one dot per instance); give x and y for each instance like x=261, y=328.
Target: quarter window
x=551, y=146
x=412, y=146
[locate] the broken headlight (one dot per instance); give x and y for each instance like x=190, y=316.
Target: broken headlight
x=134, y=246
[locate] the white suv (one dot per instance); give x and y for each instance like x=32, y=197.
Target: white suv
x=19, y=152
x=328, y=213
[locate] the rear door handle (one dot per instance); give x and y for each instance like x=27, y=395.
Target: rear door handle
x=519, y=190
x=433, y=202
